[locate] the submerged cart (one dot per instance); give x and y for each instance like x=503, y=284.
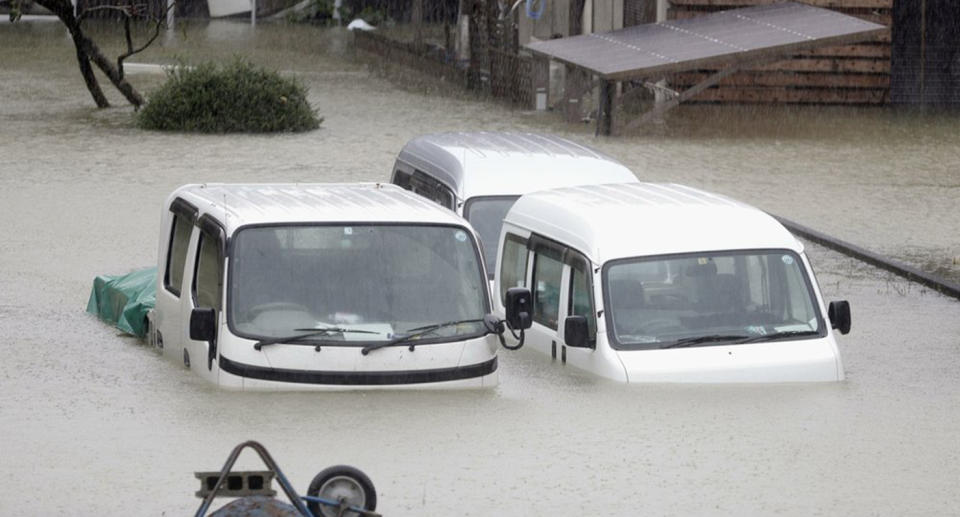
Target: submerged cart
x=335, y=491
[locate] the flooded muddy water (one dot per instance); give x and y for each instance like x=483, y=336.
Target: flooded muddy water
x=94, y=423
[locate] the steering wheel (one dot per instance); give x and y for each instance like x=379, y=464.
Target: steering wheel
x=255, y=311
x=657, y=324
x=668, y=299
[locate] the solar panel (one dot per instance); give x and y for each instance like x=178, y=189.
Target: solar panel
x=734, y=36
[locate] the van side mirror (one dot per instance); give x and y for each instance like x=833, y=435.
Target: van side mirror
x=576, y=332
x=203, y=324
x=517, y=306
x=839, y=314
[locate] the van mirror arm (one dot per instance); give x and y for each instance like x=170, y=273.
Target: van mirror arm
x=498, y=326
x=519, y=339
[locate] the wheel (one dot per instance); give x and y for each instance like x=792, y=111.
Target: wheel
x=341, y=483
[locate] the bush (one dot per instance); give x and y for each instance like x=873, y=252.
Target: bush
x=237, y=97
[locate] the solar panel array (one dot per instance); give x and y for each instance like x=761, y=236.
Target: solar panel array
x=737, y=35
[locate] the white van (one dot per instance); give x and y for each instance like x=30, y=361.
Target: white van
x=480, y=175
x=651, y=282
x=321, y=286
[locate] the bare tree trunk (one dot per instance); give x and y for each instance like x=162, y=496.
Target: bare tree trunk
x=88, y=51
x=112, y=73
x=88, y=76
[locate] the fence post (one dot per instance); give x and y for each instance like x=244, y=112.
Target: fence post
x=416, y=16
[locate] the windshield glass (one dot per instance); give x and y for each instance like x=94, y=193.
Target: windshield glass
x=369, y=283
x=662, y=301
x=486, y=216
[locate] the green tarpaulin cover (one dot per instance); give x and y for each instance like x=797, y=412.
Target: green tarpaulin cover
x=124, y=300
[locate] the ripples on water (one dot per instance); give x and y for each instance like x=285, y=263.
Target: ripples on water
x=95, y=423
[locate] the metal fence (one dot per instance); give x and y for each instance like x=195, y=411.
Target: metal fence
x=511, y=77
x=411, y=55
x=502, y=74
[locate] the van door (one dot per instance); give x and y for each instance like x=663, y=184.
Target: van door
x=546, y=286
x=579, y=301
x=178, y=227
x=206, y=291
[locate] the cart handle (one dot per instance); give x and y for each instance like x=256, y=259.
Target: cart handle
x=268, y=461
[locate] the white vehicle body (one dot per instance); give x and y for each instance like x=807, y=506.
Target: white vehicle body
x=346, y=261
x=480, y=175
x=681, y=285
x=224, y=8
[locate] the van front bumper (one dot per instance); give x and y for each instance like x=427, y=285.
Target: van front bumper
x=358, y=378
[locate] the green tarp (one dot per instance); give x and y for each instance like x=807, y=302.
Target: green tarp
x=124, y=300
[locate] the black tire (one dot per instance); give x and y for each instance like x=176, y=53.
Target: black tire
x=339, y=481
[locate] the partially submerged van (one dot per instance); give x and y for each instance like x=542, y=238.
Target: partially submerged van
x=651, y=282
x=321, y=286
x=480, y=175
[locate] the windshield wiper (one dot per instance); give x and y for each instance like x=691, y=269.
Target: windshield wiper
x=779, y=335
x=696, y=340
x=310, y=332
x=417, y=332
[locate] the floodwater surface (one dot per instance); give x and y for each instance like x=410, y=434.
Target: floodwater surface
x=95, y=423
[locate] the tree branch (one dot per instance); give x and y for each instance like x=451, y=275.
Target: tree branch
x=158, y=24
x=88, y=51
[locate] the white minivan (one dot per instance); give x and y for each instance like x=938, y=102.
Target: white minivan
x=647, y=282
x=284, y=286
x=481, y=174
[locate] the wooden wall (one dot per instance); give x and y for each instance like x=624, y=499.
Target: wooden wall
x=848, y=74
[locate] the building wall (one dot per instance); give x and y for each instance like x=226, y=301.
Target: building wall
x=846, y=74
x=554, y=22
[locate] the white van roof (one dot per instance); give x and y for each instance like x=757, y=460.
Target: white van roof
x=235, y=205
x=498, y=163
x=613, y=221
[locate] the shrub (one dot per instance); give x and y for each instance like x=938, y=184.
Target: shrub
x=320, y=12
x=316, y=11
x=237, y=97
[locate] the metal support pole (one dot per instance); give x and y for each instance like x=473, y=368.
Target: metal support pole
x=662, y=107
x=253, y=13
x=605, y=109
x=170, y=17
x=658, y=97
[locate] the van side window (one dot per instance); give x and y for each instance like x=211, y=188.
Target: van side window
x=425, y=185
x=513, y=264
x=402, y=178
x=177, y=253
x=581, y=296
x=547, y=269
x=208, y=274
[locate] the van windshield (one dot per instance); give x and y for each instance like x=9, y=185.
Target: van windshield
x=374, y=282
x=486, y=216
x=709, y=299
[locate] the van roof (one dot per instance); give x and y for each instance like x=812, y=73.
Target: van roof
x=613, y=221
x=236, y=205
x=500, y=163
